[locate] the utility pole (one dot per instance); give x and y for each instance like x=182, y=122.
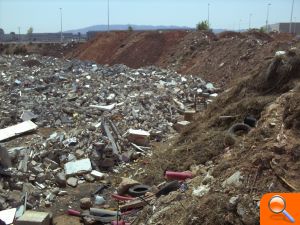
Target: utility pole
x=292, y=16
x=267, y=21
x=61, y=36
x=19, y=34
x=295, y=25
x=108, y=15
x=250, y=17
x=208, y=14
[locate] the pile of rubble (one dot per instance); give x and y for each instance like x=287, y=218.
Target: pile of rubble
x=83, y=119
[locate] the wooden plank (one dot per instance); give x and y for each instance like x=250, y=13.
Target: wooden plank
x=111, y=138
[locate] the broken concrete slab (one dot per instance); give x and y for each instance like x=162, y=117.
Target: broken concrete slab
x=8, y=215
x=17, y=129
x=78, y=167
x=139, y=137
x=34, y=218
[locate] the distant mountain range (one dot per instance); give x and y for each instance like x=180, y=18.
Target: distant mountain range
x=84, y=30
x=125, y=27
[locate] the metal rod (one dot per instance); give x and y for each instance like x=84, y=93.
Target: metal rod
x=108, y=15
x=61, y=37
x=19, y=34
x=208, y=15
x=267, y=21
x=295, y=25
x=292, y=10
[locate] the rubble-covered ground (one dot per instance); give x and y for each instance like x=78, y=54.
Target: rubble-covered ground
x=85, y=114
x=233, y=172
x=88, y=117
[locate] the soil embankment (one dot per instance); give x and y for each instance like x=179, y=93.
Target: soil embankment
x=219, y=59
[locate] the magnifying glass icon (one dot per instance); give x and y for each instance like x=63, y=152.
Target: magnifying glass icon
x=277, y=205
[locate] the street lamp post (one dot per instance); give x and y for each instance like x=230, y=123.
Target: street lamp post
x=240, y=21
x=295, y=25
x=61, y=36
x=108, y=15
x=267, y=21
x=208, y=14
x=250, y=17
x=19, y=34
x=292, y=10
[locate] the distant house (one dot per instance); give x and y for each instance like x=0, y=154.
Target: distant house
x=285, y=28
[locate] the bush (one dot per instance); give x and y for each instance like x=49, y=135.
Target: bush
x=130, y=28
x=263, y=30
x=203, y=25
x=20, y=50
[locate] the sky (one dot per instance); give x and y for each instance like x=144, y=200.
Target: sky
x=44, y=15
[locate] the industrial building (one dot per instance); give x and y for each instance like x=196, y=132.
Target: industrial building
x=285, y=28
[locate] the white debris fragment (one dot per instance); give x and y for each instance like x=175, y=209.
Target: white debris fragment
x=78, y=167
x=201, y=190
x=280, y=53
x=16, y=130
x=104, y=107
x=233, y=180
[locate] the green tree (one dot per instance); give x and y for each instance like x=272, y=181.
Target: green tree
x=203, y=25
x=130, y=28
x=29, y=32
x=263, y=30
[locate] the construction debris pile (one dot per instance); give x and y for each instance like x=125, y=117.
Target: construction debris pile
x=236, y=158
x=80, y=120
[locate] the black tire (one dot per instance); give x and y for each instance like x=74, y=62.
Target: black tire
x=167, y=188
x=138, y=190
x=239, y=127
x=250, y=120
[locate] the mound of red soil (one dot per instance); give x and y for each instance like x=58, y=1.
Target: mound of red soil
x=219, y=59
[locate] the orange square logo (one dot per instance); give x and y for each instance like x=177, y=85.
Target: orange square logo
x=280, y=208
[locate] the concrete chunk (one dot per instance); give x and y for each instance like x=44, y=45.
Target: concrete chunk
x=72, y=181
x=34, y=218
x=139, y=137
x=78, y=167
x=98, y=175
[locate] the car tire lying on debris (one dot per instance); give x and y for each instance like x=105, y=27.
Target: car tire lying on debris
x=138, y=190
x=239, y=127
x=230, y=137
x=167, y=188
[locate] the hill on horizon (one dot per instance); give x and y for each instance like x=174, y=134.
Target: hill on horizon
x=125, y=27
